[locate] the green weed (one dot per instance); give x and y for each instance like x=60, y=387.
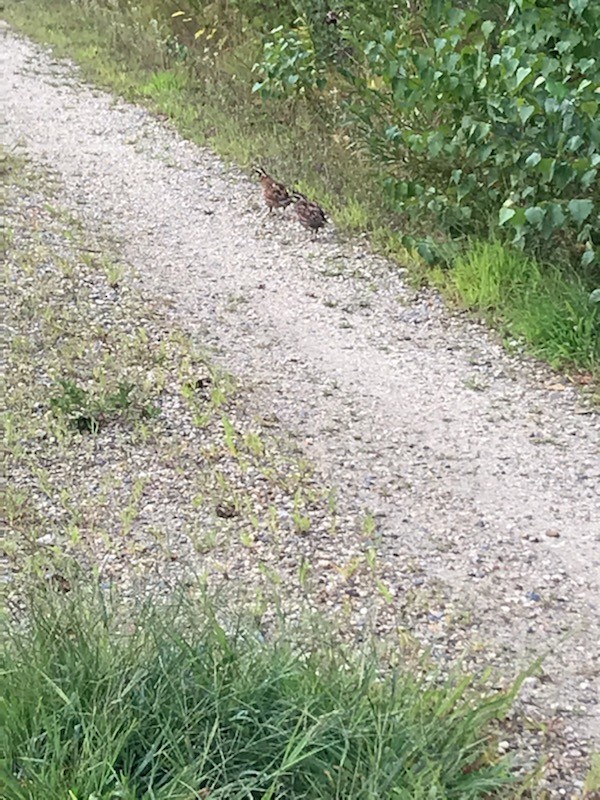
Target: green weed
x=87, y=410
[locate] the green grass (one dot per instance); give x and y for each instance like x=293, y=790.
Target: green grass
x=208, y=97
x=102, y=700
x=592, y=782
x=543, y=306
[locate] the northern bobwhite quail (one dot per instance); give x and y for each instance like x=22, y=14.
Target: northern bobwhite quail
x=275, y=193
x=309, y=213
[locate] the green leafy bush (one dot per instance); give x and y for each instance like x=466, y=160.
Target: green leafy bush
x=289, y=63
x=490, y=114
x=477, y=114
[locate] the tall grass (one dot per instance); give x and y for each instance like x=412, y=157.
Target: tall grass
x=543, y=306
x=100, y=700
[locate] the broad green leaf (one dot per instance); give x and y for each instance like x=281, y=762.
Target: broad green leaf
x=586, y=259
x=487, y=27
x=588, y=178
x=455, y=17
x=579, y=6
x=557, y=89
x=564, y=45
x=580, y=210
x=584, y=64
x=554, y=219
x=525, y=112
x=465, y=188
x=595, y=295
x=535, y=215
x=590, y=107
x=482, y=129
x=534, y=159
x=555, y=216
x=435, y=144
x=511, y=65
x=574, y=143
x=522, y=73
x=546, y=168
x=505, y=215
x=549, y=65
x=581, y=165
x=519, y=218
x=426, y=252
x=483, y=153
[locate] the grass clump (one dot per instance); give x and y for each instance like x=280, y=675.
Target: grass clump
x=162, y=701
x=542, y=306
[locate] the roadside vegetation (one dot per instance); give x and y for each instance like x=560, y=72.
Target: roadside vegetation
x=465, y=142
x=106, y=700
x=161, y=633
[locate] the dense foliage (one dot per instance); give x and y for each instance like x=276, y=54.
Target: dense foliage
x=483, y=117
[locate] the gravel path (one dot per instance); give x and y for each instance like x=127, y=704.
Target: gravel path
x=481, y=470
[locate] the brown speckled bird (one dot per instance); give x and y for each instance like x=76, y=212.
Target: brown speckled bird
x=275, y=193
x=309, y=213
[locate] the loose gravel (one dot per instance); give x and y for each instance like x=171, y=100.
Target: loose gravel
x=470, y=476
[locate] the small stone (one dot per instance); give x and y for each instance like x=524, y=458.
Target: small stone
x=552, y=533
x=47, y=539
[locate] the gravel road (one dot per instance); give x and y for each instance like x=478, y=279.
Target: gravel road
x=480, y=469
